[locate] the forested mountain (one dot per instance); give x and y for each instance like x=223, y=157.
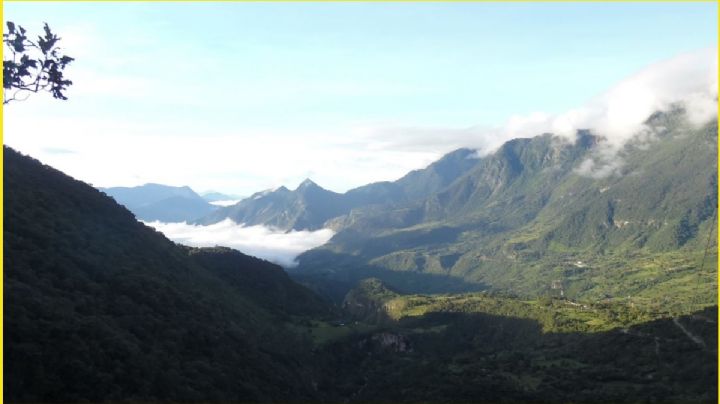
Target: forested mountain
x=531, y=215
x=152, y=202
x=100, y=307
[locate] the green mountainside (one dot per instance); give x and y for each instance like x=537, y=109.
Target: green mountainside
x=484, y=348
x=525, y=220
x=99, y=307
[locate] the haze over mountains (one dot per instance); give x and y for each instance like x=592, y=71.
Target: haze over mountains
x=165, y=203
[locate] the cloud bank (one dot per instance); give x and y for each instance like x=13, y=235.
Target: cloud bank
x=342, y=154
x=260, y=241
x=618, y=114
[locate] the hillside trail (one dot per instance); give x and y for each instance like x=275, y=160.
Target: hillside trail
x=694, y=338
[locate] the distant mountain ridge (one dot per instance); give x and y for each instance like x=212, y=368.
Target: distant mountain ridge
x=164, y=203
x=310, y=206
x=213, y=196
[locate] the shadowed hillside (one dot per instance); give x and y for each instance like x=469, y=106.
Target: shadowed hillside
x=100, y=307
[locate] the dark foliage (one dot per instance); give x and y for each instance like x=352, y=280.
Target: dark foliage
x=100, y=307
x=482, y=358
x=33, y=66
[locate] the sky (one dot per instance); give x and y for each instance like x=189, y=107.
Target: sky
x=241, y=97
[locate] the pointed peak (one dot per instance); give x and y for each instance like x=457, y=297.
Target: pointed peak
x=306, y=184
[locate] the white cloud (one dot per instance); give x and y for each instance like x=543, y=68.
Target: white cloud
x=619, y=114
x=228, y=202
x=603, y=163
x=242, y=159
x=260, y=241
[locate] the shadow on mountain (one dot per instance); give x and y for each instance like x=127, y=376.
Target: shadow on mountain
x=333, y=275
x=477, y=357
x=101, y=308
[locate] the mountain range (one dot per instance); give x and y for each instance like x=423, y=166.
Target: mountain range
x=213, y=196
x=310, y=206
x=575, y=287
x=538, y=216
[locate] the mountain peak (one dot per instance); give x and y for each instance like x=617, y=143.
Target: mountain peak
x=307, y=183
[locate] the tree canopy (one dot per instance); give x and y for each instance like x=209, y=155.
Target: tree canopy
x=33, y=66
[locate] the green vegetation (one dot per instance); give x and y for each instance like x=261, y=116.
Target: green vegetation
x=323, y=332
x=568, y=295
x=523, y=221
x=33, y=66
x=483, y=348
x=372, y=302
x=99, y=307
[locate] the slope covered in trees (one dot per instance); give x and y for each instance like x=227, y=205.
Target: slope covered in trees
x=484, y=348
x=531, y=216
x=100, y=307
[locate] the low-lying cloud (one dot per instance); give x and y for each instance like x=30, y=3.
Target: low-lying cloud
x=223, y=203
x=260, y=241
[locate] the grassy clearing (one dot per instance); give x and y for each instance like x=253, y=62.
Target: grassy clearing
x=322, y=332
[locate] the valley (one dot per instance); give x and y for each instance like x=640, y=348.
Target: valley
x=515, y=294
x=360, y=202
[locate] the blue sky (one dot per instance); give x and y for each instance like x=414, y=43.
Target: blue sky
x=240, y=97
